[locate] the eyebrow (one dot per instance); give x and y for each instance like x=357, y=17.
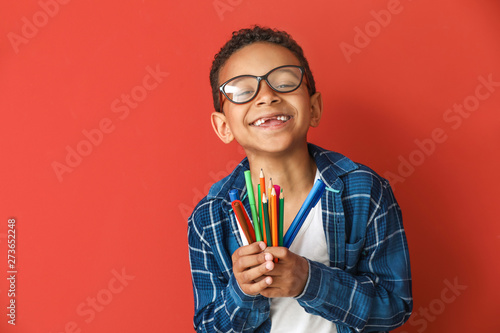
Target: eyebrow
x=289, y=71
x=238, y=78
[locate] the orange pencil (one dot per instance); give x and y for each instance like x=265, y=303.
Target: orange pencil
x=274, y=218
x=261, y=216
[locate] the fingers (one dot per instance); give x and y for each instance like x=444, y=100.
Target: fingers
x=252, y=281
x=249, y=268
x=256, y=273
x=253, y=248
x=250, y=263
x=252, y=274
x=279, y=252
x=245, y=262
x=256, y=287
x=289, y=275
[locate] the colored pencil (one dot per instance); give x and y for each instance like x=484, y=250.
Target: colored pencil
x=277, y=188
x=261, y=216
x=270, y=207
x=281, y=216
x=274, y=219
x=262, y=182
x=251, y=199
x=266, y=220
x=262, y=190
x=276, y=207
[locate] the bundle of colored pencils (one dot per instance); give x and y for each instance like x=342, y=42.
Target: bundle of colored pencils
x=271, y=209
x=267, y=214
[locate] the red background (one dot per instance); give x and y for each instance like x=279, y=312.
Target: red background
x=125, y=204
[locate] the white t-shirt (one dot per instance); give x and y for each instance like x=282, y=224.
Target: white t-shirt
x=287, y=315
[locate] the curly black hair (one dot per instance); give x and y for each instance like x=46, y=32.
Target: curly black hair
x=244, y=37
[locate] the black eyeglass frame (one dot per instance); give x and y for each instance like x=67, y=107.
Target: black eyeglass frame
x=260, y=78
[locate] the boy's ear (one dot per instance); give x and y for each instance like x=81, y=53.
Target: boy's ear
x=316, y=109
x=221, y=127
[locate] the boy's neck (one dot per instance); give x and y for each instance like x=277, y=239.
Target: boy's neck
x=294, y=171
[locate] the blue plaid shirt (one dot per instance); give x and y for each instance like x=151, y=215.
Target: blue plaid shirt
x=366, y=287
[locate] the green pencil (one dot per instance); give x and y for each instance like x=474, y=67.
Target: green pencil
x=251, y=199
x=280, y=220
x=266, y=220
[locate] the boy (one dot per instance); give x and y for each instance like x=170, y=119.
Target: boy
x=348, y=268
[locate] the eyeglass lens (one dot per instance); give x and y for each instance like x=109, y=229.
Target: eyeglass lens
x=282, y=79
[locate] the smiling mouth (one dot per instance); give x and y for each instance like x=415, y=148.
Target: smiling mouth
x=271, y=121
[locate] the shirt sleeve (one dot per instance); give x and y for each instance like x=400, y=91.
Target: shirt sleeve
x=220, y=304
x=373, y=292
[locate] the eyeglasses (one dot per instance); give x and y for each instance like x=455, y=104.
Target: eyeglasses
x=243, y=88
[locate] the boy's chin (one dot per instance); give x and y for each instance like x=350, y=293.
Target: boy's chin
x=274, y=148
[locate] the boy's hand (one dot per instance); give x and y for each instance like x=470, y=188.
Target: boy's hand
x=250, y=264
x=289, y=275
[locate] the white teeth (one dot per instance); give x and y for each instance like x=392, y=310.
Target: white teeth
x=261, y=121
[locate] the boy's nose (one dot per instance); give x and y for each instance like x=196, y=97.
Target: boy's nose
x=266, y=95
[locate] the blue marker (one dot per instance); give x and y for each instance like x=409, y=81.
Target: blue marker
x=233, y=195
x=311, y=201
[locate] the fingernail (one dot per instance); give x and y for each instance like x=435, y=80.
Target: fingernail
x=262, y=245
x=268, y=257
x=269, y=265
x=269, y=280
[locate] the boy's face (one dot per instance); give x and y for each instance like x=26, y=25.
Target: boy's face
x=272, y=122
